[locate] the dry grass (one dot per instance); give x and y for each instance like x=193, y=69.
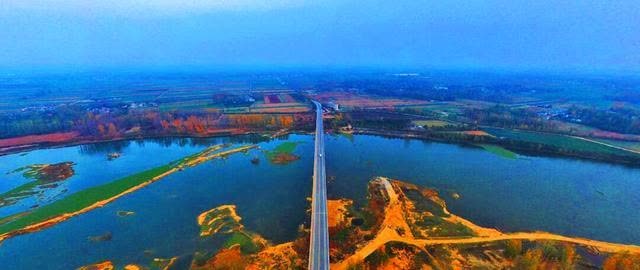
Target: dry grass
x=336, y=210
x=34, y=139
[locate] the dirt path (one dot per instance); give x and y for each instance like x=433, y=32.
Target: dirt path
x=607, y=144
x=599, y=245
x=394, y=219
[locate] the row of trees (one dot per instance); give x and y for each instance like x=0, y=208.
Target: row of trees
x=29, y=123
x=120, y=123
x=615, y=119
x=505, y=117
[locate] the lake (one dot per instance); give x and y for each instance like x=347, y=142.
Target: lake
x=565, y=196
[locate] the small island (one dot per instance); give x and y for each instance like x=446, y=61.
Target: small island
x=44, y=176
x=283, y=153
x=113, y=155
x=89, y=199
x=403, y=226
x=48, y=173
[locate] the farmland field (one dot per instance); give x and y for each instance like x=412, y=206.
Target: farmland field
x=635, y=146
x=556, y=140
x=499, y=151
x=351, y=100
x=431, y=123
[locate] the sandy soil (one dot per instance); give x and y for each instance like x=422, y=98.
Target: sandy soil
x=394, y=219
x=276, y=257
x=336, y=210
x=230, y=258
x=106, y=265
x=211, y=230
x=477, y=133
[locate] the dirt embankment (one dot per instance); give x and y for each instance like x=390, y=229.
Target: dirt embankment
x=396, y=227
x=53, y=140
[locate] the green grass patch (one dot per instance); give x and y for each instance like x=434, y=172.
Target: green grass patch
x=87, y=197
x=441, y=228
x=631, y=145
x=499, y=151
x=363, y=218
x=286, y=147
x=222, y=221
x=187, y=105
x=423, y=204
x=431, y=123
x=341, y=236
x=557, y=140
x=283, y=148
x=18, y=191
x=247, y=246
x=377, y=258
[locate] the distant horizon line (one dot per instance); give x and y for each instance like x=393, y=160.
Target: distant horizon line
x=196, y=69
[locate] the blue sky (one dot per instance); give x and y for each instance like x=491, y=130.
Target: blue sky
x=506, y=34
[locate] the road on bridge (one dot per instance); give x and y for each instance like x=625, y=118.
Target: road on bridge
x=319, y=244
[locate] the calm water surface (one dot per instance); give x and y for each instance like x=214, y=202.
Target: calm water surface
x=564, y=196
x=271, y=199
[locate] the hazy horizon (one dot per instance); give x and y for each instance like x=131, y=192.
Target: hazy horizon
x=478, y=35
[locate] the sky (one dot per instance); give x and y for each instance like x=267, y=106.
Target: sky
x=492, y=34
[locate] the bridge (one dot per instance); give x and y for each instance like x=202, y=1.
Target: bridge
x=319, y=244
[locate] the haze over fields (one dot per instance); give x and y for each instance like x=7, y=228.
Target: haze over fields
x=570, y=35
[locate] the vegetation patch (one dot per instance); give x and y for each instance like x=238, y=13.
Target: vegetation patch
x=48, y=173
x=424, y=204
x=562, y=142
x=283, y=153
x=631, y=145
x=78, y=201
x=494, y=149
x=45, y=177
x=431, y=123
x=220, y=219
x=244, y=240
x=90, y=198
x=438, y=227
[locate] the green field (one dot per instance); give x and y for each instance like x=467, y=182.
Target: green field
x=431, y=123
x=195, y=105
x=440, y=108
x=635, y=146
x=557, y=140
x=283, y=148
x=499, y=151
x=247, y=246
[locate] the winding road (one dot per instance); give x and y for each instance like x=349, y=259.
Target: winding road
x=319, y=242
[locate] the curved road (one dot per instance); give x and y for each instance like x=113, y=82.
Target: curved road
x=319, y=242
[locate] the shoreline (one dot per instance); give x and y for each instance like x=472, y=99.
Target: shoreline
x=18, y=149
x=402, y=134
x=522, y=150
x=394, y=217
x=201, y=157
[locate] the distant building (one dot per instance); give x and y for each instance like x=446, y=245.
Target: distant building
x=332, y=105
